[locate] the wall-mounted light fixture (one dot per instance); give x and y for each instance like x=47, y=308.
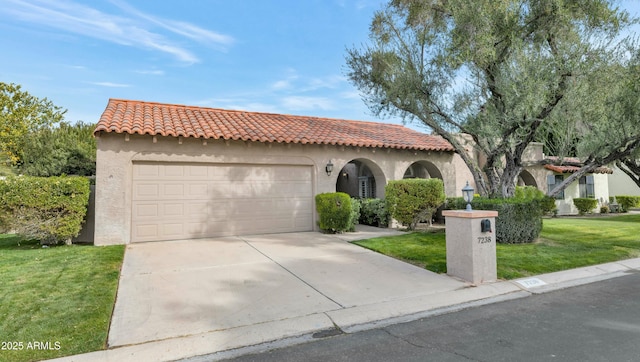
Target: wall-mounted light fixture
x=467, y=194
x=329, y=168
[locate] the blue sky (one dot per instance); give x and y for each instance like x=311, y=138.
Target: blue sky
x=280, y=56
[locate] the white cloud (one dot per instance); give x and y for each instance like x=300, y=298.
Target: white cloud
x=137, y=31
x=150, y=72
x=110, y=84
x=307, y=103
x=287, y=82
x=330, y=82
x=281, y=84
x=179, y=27
x=350, y=95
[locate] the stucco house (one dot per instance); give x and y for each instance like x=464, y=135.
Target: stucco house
x=621, y=184
x=171, y=172
x=544, y=172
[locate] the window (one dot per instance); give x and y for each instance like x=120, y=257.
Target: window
x=552, y=181
x=586, y=187
x=366, y=187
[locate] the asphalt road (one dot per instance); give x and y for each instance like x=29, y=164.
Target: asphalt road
x=594, y=322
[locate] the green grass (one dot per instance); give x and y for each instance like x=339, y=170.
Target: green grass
x=62, y=294
x=565, y=243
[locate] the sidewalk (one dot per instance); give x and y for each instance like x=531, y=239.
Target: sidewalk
x=263, y=336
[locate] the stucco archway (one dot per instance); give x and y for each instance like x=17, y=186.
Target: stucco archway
x=526, y=179
x=422, y=169
x=361, y=178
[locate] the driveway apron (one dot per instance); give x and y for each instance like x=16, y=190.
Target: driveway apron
x=179, y=288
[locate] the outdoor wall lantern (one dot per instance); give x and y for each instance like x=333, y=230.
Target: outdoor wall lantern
x=329, y=168
x=467, y=194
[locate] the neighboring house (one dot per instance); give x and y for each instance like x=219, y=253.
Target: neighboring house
x=621, y=184
x=170, y=172
x=545, y=172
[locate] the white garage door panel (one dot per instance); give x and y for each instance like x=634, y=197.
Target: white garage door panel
x=180, y=201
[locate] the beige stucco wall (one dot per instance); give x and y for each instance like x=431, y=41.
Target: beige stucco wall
x=116, y=155
x=601, y=190
x=621, y=184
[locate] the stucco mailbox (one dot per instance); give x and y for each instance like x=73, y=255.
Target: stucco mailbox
x=471, y=245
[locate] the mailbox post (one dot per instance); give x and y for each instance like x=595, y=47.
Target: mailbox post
x=471, y=245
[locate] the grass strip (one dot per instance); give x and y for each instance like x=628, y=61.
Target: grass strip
x=565, y=243
x=56, y=301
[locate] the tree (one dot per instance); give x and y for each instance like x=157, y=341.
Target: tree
x=612, y=134
x=68, y=149
x=495, y=71
x=21, y=114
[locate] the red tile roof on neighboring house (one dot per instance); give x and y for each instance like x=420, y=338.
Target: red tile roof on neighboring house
x=569, y=165
x=136, y=117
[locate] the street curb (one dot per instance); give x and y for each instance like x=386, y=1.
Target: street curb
x=267, y=336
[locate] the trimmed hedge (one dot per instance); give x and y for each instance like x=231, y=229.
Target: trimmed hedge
x=585, y=205
x=335, y=210
x=354, y=216
x=374, y=212
x=49, y=209
x=518, y=221
x=628, y=202
x=412, y=200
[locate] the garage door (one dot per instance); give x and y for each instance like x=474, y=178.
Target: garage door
x=173, y=201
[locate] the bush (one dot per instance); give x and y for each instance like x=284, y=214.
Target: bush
x=604, y=209
x=528, y=193
x=548, y=205
x=628, y=202
x=334, y=209
x=354, y=216
x=412, y=200
x=374, y=212
x=49, y=209
x=518, y=221
x=585, y=205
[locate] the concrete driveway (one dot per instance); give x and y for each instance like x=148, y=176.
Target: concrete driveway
x=182, y=288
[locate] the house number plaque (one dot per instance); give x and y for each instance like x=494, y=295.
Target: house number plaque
x=484, y=239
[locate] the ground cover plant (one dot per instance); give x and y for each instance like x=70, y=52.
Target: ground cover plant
x=56, y=301
x=564, y=243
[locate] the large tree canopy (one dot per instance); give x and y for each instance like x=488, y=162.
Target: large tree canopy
x=21, y=114
x=501, y=72
x=68, y=149
x=609, y=127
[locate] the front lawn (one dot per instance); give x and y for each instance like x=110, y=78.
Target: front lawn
x=56, y=301
x=565, y=243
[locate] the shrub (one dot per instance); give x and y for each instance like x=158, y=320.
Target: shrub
x=604, y=209
x=412, y=200
x=585, y=205
x=354, y=216
x=548, y=205
x=528, y=193
x=518, y=221
x=334, y=209
x=374, y=212
x=49, y=209
x=628, y=202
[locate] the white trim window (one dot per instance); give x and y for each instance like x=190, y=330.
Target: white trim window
x=586, y=186
x=552, y=181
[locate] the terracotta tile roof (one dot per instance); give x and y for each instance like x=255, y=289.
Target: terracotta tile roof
x=136, y=117
x=569, y=165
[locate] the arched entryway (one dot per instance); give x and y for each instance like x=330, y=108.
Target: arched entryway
x=422, y=169
x=526, y=179
x=361, y=178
